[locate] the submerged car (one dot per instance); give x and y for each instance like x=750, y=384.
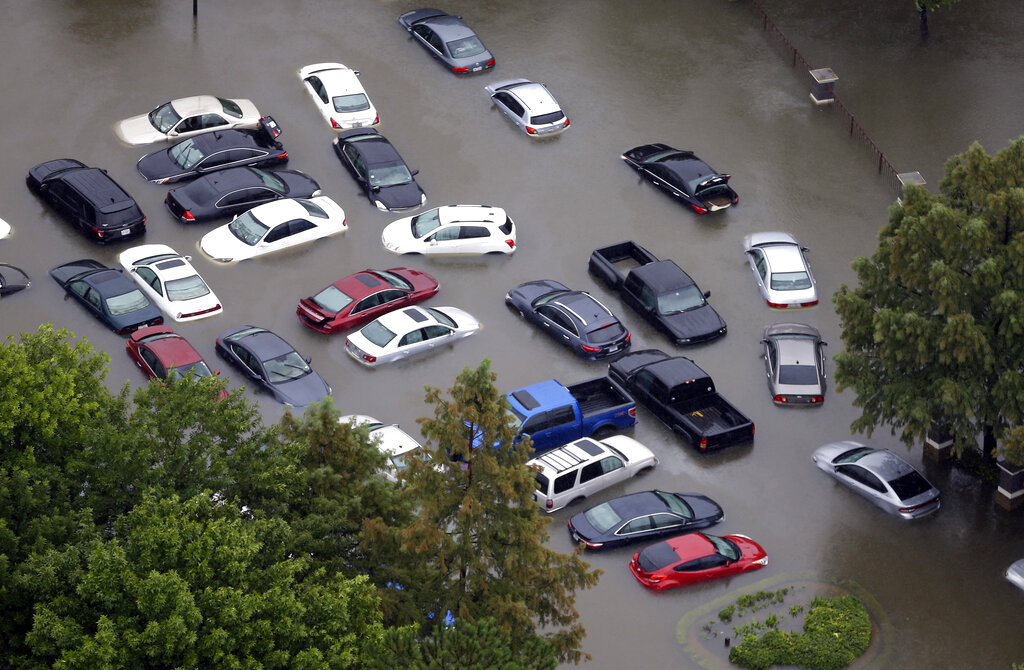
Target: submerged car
x=881, y=476
x=273, y=365
x=339, y=96
x=452, y=230
x=780, y=270
x=233, y=191
x=359, y=298
x=185, y=117
x=378, y=168
x=448, y=39
x=162, y=353
x=683, y=176
x=171, y=282
x=87, y=198
x=643, y=516
x=392, y=441
x=694, y=558
x=530, y=106
x=794, y=361
x=575, y=319
x=409, y=332
x=107, y=294
x=277, y=225
x=12, y=279
x=219, y=150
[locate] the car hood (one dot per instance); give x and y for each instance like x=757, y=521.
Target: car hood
x=302, y=391
x=137, y=130
x=703, y=507
x=63, y=273
x=525, y=294
x=298, y=184
x=158, y=165
x=397, y=236
x=400, y=196
x=696, y=323
x=222, y=243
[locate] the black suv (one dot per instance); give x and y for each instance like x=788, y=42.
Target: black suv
x=88, y=198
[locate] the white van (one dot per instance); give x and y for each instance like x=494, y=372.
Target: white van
x=579, y=469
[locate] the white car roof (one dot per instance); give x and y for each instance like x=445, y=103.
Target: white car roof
x=201, y=104
x=785, y=258
x=341, y=81
x=448, y=214
x=401, y=321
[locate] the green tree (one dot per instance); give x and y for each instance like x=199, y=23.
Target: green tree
x=925, y=6
x=934, y=332
x=478, y=539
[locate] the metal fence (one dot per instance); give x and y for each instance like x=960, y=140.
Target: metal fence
x=843, y=113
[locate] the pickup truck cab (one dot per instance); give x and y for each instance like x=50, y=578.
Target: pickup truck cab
x=553, y=414
x=683, y=396
x=660, y=291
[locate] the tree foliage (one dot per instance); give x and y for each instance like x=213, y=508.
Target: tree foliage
x=934, y=332
x=477, y=543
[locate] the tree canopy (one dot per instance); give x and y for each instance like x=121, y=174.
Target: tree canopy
x=934, y=332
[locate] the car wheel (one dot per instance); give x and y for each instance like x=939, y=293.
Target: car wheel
x=576, y=500
x=644, y=471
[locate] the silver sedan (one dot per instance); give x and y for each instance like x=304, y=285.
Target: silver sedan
x=794, y=361
x=782, y=273
x=880, y=476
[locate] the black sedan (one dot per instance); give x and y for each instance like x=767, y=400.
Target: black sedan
x=273, y=364
x=216, y=150
x=236, y=190
x=379, y=169
x=683, y=176
x=574, y=318
x=108, y=294
x=643, y=516
x=448, y=39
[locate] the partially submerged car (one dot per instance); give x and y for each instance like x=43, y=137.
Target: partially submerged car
x=379, y=170
x=452, y=230
x=12, y=279
x=794, y=361
x=107, y=294
x=339, y=95
x=184, y=117
x=233, y=191
x=448, y=39
x=694, y=558
x=273, y=365
x=530, y=106
x=683, y=176
x=780, y=269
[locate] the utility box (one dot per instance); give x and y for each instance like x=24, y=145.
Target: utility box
x=824, y=79
x=908, y=178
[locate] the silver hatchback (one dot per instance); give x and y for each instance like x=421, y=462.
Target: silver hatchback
x=880, y=476
x=530, y=106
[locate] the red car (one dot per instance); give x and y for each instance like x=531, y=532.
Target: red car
x=695, y=557
x=160, y=353
x=362, y=297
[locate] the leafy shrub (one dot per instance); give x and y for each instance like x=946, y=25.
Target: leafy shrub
x=725, y=616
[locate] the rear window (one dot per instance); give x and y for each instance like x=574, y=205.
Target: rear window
x=187, y=288
x=798, y=375
x=608, y=333
x=127, y=303
x=790, y=281
x=544, y=119
x=377, y=333
x=347, y=104
x=657, y=556
x=506, y=227
x=602, y=517
x=542, y=483
x=466, y=47
x=332, y=299
x=910, y=485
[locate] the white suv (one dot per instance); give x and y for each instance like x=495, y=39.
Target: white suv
x=577, y=470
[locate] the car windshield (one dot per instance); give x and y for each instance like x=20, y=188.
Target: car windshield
x=197, y=369
x=467, y=47
x=910, y=485
x=377, y=333
x=389, y=175
x=790, y=281
x=127, y=302
x=602, y=517
x=186, y=154
x=355, y=102
x=186, y=288
x=164, y=117
x=514, y=418
x=285, y=367
x=423, y=224
x=680, y=300
x=394, y=280
x=853, y=455
x=248, y=229
x=401, y=461
x=312, y=208
x=725, y=547
x=675, y=504
x=269, y=179
x=332, y=299
x=442, y=317
x=798, y=375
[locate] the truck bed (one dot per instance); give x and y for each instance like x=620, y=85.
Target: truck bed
x=613, y=262
x=596, y=396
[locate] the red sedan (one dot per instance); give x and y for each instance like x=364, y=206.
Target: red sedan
x=695, y=557
x=360, y=298
x=162, y=353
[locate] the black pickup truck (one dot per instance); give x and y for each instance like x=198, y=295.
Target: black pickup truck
x=683, y=396
x=660, y=291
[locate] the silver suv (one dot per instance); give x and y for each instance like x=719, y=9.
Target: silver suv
x=582, y=468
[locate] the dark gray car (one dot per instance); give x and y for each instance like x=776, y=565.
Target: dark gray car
x=794, y=362
x=273, y=365
x=448, y=39
x=880, y=476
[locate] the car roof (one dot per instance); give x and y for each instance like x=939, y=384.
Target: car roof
x=260, y=341
x=791, y=330
x=638, y=504
x=173, y=268
x=221, y=181
x=885, y=464
x=110, y=282
x=663, y=275
x=535, y=96
x=797, y=351
x=570, y=455
x=339, y=81
x=377, y=150
x=277, y=211
x=784, y=257
x=479, y=214
x=172, y=349
x=448, y=27
x=96, y=184
x=403, y=320
x=360, y=284
x=585, y=307
x=197, y=104
x=223, y=139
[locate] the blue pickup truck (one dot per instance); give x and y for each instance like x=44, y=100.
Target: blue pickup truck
x=553, y=414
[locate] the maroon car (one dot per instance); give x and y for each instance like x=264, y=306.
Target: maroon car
x=162, y=353
x=360, y=298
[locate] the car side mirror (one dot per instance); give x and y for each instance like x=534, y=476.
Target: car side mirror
x=216, y=373
x=188, y=258
x=309, y=359
x=414, y=172
x=707, y=294
x=375, y=189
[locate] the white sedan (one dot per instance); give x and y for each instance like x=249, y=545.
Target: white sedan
x=339, y=96
x=408, y=332
x=452, y=230
x=170, y=282
x=185, y=117
x=782, y=273
x=274, y=226
x=392, y=441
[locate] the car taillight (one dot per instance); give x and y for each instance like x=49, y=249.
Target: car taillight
x=818, y=398
x=531, y=130
x=593, y=545
x=735, y=199
x=654, y=579
x=628, y=335
x=335, y=124
x=369, y=359
x=460, y=70
x=187, y=216
x=283, y=156
x=376, y=119
x=781, y=398
x=703, y=443
x=98, y=231
x=566, y=124
x=698, y=209
x=590, y=349
x=489, y=63
x=776, y=305
x=549, y=504
x=809, y=304
x=511, y=244
x=199, y=313
x=632, y=412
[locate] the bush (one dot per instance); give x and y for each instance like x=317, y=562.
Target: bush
x=725, y=616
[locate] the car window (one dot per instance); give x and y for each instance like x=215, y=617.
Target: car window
x=434, y=332
x=663, y=520
x=770, y=352
x=369, y=302
x=332, y=299
x=394, y=280
x=590, y=471
x=286, y=367
x=296, y=226
x=79, y=287
x=93, y=298
x=910, y=485
x=676, y=504
x=212, y=121
x=376, y=333
x=391, y=295
x=467, y=47
x=861, y=476
x=790, y=281
x=412, y=337
x=425, y=222
x=471, y=232
x=279, y=232
x=150, y=278
x=247, y=359
x=637, y=525
x=312, y=208
x=564, y=482
x=187, y=288
x=602, y=517
x=647, y=297
x=554, y=314
x=248, y=228
x=446, y=234
x=230, y=107
x=511, y=103
x=186, y=154
x=611, y=463
x=760, y=263
x=798, y=375
x=354, y=102
x=152, y=361
x=544, y=119
x=318, y=88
